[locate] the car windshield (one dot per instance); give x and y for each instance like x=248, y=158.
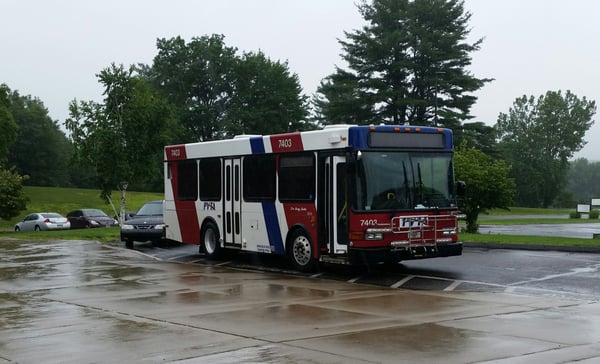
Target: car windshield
x=151, y=209
x=94, y=213
x=404, y=181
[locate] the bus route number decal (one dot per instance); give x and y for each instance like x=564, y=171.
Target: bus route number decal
x=285, y=143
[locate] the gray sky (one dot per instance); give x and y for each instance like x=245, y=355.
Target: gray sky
x=52, y=49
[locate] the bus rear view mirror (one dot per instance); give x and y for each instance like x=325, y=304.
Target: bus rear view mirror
x=461, y=188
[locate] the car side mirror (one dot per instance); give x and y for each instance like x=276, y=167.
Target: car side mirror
x=461, y=188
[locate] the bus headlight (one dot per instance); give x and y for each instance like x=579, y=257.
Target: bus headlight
x=451, y=231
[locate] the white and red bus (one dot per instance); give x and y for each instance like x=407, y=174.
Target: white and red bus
x=344, y=194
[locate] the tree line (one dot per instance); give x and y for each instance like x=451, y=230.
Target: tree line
x=408, y=64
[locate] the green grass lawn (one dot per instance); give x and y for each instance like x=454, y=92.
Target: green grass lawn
x=103, y=234
x=528, y=240
x=63, y=200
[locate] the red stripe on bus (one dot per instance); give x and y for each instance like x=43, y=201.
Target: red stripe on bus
x=304, y=215
x=290, y=142
x=187, y=215
x=175, y=152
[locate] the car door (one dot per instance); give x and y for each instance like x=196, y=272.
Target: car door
x=76, y=219
x=29, y=222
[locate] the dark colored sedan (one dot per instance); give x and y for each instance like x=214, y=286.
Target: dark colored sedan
x=90, y=218
x=146, y=225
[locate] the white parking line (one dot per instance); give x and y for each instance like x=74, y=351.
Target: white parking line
x=453, y=285
x=402, y=281
x=353, y=279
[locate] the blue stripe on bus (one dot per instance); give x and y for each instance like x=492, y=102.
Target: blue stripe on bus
x=257, y=145
x=273, y=230
x=268, y=208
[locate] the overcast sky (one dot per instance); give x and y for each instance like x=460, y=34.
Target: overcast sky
x=53, y=49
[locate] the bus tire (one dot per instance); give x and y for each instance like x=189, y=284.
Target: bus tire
x=300, y=251
x=210, y=241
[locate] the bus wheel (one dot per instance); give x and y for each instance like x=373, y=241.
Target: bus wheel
x=301, y=252
x=210, y=241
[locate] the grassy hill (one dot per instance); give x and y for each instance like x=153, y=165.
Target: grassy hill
x=63, y=200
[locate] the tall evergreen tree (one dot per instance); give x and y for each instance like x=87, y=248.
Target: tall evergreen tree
x=408, y=65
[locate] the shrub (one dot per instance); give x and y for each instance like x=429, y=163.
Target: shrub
x=575, y=215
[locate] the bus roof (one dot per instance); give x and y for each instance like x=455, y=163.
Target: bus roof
x=331, y=137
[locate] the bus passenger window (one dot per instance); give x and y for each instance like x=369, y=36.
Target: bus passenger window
x=187, y=180
x=210, y=179
x=259, y=178
x=297, y=177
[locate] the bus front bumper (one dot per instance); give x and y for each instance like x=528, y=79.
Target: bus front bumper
x=375, y=255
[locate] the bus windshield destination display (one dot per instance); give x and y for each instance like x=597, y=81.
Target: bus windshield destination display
x=406, y=140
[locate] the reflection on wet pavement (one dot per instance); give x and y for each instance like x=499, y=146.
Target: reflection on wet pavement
x=79, y=302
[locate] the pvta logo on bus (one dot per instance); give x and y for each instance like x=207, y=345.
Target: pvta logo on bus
x=409, y=222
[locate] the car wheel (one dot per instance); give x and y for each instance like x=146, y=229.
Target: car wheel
x=210, y=241
x=300, y=252
x=129, y=244
x=17, y=229
x=37, y=228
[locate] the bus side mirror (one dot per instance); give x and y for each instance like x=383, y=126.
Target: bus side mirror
x=461, y=188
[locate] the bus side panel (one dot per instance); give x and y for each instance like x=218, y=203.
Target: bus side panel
x=172, y=231
x=182, y=221
x=254, y=231
x=273, y=225
x=303, y=215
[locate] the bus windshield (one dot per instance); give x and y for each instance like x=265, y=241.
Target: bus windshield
x=392, y=180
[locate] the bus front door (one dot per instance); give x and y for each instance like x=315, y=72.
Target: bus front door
x=233, y=203
x=336, y=205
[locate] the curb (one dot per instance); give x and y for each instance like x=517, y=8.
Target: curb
x=569, y=249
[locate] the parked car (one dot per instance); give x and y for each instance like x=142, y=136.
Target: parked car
x=38, y=221
x=90, y=218
x=146, y=225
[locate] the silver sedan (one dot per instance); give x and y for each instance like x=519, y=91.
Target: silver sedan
x=43, y=221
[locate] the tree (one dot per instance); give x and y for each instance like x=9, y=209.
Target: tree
x=12, y=196
x=196, y=77
x=41, y=150
x=8, y=127
x=582, y=180
x=266, y=98
x=218, y=94
x=338, y=101
x=538, y=137
x=488, y=184
x=479, y=136
x=122, y=137
x=408, y=65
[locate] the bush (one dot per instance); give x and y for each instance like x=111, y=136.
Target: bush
x=594, y=214
x=12, y=197
x=575, y=215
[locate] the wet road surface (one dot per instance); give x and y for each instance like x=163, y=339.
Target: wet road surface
x=583, y=230
x=84, y=302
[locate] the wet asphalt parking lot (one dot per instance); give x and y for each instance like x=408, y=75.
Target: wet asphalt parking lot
x=85, y=302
